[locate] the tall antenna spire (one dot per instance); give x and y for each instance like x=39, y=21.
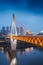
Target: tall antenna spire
x=13, y=18
x=13, y=15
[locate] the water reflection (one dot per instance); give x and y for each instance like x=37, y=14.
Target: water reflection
x=30, y=56
x=23, y=51
x=29, y=49
x=3, y=59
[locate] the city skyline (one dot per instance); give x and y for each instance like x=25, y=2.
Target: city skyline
x=27, y=13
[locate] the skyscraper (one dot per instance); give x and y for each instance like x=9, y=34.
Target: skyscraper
x=3, y=30
x=17, y=30
x=21, y=30
x=7, y=29
x=10, y=29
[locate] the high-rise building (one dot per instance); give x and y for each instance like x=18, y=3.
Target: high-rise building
x=21, y=30
x=3, y=30
x=7, y=29
x=17, y=30
x=10, y=29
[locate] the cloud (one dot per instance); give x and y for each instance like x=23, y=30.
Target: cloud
x=34, y=6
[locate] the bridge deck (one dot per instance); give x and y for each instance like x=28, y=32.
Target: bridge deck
x=37, y=40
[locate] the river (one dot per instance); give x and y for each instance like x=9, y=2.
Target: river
x=28, y=56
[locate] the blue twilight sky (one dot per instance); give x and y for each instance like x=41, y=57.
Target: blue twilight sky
x=28, y=13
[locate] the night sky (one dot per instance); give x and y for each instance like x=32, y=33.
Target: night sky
x=28, y=13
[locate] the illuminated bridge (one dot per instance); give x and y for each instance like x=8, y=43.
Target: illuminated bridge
x=35, y=40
